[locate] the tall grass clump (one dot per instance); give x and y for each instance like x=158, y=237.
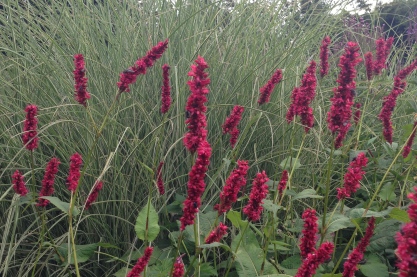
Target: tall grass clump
x=203, y=138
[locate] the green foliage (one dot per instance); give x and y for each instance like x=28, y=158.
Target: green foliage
x=146, y=226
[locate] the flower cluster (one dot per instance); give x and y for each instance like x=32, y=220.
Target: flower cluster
x=234, y=183
x=310, y=229
x=283, y=182
x=48, y=181
x=369, y=65
x=324, y=56
x=19, y=183
x=302, y=97
x=407, y=148
x=129, y=76
x=159, y=181
x=258, y=193
x=353, y=176
x=407, y=241
x=81, y=93
x=357, y=114
x=166, y=89
x=178, y=270
x=94, y=194
x=74, y=172
x=390, y=100
x=351, y=265
x=141, y=263
x=195, y=109
x=29, y=137
x=217, y=234
x=313, y=260
x=196, y=184
x=230, y=124
x=338, y=117
x=383, y=48
x=267, y=89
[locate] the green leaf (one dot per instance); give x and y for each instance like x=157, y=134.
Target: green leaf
x=84, y=252
x=399, y=215
x=290, y=162
x=271, y=207
x=63, y=206
x=358, y=213
x=307, y=193
x=206, y=270
x=374, y=267
x=122, y=272
x=146, y=226
x=216, y=244
x=161, y=269
x=332, y=275
x=354, y=153
x=291, y=265
x=337, y=222
x=236, y=219
x=278, y=275
x=387, y=192
x=383, y=237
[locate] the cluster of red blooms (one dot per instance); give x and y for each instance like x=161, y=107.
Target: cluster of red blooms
x=407, y=241
x=258, y=193
x=313, y=260
x=267, y=89
x=129, y=76
x=310, y=229
x=19, y=183
x=196, y=184
x=230, y=124
x=369, y=65
x=141, y=263
x=357, y=114
x=338, y=117
x=234, y=183
x=324, y=56
x=383, y=48
x=351, y=264
x=48, y=181
x=302, y=97
x=81, y=93
x=195, y=108
x=178, y=268
x=283, y=182
x=353, y=176
x=390, y=101
x=29, y=137
x=159, y=181
x=217, y=234
x=74, y=172
x=94, y=194
x=410, y=140
x=166, y=89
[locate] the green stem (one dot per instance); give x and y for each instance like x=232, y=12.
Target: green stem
x=237, y=247
x=326, y=199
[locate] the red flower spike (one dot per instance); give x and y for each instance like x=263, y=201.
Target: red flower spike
x=383, y=48
x=351, y=264
x=283, y=182
x=74, y=172
x=18, y=182
x=159, y=181
x=302, y=98
x=369, y=65
x=141, y=263
x=234, y=183
x=195, y=109
x=29, y=137
x=48, y=181
x=407, y=241
x=258, y=193
x=178, y=268
x=311, y=263
x=267, y=89
x=81, y=93
x=338, y=118
x=310, y=229
x=407, y=148
x=324, y=56
x=92, y=197
x=129, y=76
x=217, y=234
x=353, y=177
x=230, y=124
x=196, y=184
x=357, y=114
x=166, y=89
x=390, y=101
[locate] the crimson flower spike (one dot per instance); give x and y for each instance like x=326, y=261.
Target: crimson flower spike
x=390, y=101
x=311, y=263
x=310, y=230
x=178, y=270
x=129, y=76
x=258, y=193
x=29, y=137
x=324, y=56
x=338, y=118
x=74, y=172
x=266, y=90
x=159, y=180
x=81, y=93
x=166, y=89
x=353, y=177
x=141, y=263
x=383, y=48
x=369, y=65
x=48, y=181
x=92, y=197
x=18, y=182
x=230, y=124
x=407, y=148
x=217, y=234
